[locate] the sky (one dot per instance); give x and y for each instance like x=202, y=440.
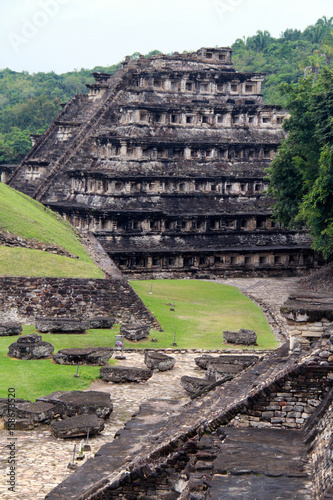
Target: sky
x=64, y=35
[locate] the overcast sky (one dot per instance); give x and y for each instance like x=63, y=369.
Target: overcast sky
x=63, y=35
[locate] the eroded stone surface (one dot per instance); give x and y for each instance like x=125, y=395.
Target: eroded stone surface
x=73, y=403
x=77, y=426
x=37, y=412
x=121, y=374
x=234, y=359
x=194, y=384
x=4, y=402
x=30, y=347
x=252, y=463
x=10, y=328
x=60, y=325
x=219, y=370
x=98, y=322
x=242, y=337
x=135, y=331
x=159, y=361
x=85, y=356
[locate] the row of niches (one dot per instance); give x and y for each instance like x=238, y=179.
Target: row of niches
x=34, y=172
x=265, y=119
x=216, y=259
x=173, y=224
x=90, y=185
x=198, y=86
x=128, y=152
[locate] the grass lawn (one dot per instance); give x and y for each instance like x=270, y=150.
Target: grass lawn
x=202, y=311
x=16, y=261
x=34, y=378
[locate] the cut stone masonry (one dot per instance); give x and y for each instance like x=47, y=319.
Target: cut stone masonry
x=164, y=162
x=181, y=455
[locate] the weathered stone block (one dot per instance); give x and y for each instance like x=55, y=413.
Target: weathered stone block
x=30, y=347
x=242, y=337
x=81, y=402
x=203, y=361
x=4, y=402
x=77, y=426
x=85, y=356
x=38, y=412
x=99, y=322
x=60, y=325
x=135, y=331
x=120, y=374
x=194, y=384
x=217, y=371
x=10, y=328
x=21, y=424
x=159, y=361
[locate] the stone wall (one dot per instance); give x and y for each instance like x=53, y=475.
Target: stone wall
x=22, y=299
x=308, y=329
x=288, y=403
x=145, y=482
x=318, y=434
x=134, y=465
x=309, y=316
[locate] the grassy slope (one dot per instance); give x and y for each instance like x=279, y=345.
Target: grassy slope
x=202, y=311
x=27, y=262
x=25, y=217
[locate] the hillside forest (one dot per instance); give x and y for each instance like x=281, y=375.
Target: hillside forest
x=29, y=102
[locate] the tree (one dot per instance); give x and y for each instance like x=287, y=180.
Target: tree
x=301, y=175
x=260, y=41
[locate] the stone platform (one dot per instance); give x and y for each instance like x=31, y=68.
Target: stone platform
x=44, y=459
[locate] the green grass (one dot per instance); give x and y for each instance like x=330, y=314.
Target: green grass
x=35, y=378
x=25, y=217
x=27, y=262
x=202, y=311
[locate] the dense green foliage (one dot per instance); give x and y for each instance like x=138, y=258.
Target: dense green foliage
x=284, y=59
x=29, y=102
x=301, y=175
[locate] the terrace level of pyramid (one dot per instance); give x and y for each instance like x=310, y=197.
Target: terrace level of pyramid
x=164, y=162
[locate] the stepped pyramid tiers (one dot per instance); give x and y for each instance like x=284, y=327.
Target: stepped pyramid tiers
x=164, y=162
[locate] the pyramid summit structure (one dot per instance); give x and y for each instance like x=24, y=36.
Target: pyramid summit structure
x=164, y=161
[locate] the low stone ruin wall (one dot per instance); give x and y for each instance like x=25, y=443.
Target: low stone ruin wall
x=309, y=316
x=11, y=240
x=308, y=330
x=318, y=434
x=212, y=273
x=157, y=465
x=22, y=299
x=287, y=403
